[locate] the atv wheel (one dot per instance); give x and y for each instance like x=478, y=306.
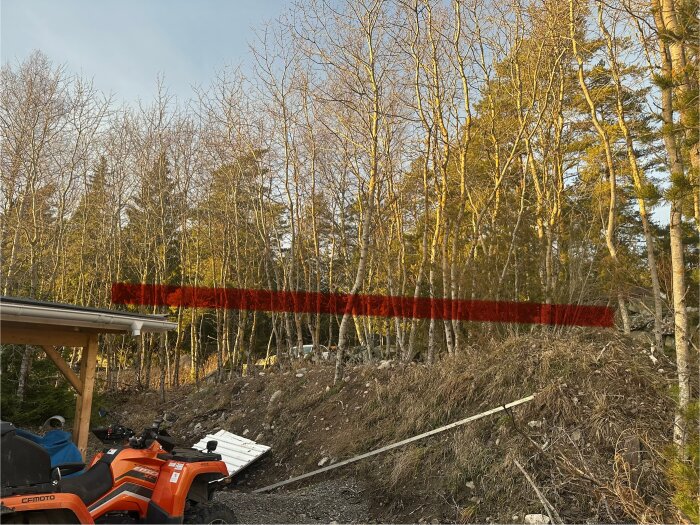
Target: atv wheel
x=210, y=512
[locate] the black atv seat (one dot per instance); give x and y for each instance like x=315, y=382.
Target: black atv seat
x=25, y=466
x=90, y=485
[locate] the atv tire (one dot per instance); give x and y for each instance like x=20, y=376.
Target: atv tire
x=210, y=512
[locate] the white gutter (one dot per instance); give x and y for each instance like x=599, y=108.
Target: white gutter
x=56, y=315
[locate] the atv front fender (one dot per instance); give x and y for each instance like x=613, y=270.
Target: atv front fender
x=173, y=486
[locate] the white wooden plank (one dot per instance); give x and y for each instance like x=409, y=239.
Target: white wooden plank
x=236, y=452
x=251, y=452
x=243, y=455
x=233, y=438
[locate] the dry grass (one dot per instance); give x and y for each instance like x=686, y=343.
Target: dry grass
x=595, y=395
x=591, y=440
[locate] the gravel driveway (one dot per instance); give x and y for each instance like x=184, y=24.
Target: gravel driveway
x=339, y=500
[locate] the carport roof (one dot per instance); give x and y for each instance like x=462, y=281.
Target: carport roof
x=31, y=312
x=51, y=325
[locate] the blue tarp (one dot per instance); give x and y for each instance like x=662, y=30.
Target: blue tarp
x=58, y=444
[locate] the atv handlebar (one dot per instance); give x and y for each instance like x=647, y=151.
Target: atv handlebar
x=151, y=434
x=119, y=434
x=113, y=434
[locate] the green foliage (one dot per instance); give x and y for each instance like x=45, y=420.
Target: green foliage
x=662, y=81
x=680, y=186
x=684, y=469
x=153, y=230
x=47, y=393
x=650, y=193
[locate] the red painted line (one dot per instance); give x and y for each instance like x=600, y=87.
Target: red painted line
x=373, y=305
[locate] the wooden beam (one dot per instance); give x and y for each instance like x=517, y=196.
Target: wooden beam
x=64, y=368
x=83, y=406
x=40, y=336
x=78, y=399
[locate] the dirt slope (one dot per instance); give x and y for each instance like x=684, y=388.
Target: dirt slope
x=592, y=440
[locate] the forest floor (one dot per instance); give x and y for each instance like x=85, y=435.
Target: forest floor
x=593, y=440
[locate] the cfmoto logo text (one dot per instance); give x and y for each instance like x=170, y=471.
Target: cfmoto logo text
x=38, y=498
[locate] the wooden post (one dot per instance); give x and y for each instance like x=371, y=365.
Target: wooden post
x=78, y=399
x=83, y=405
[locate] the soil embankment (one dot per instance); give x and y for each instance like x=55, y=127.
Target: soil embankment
x=592, y=441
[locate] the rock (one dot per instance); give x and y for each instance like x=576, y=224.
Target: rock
x=259, y=437
x=245, y=432
x=470, y=485
x=322, y=462
x=639, y=335
x=669, y=342
x=632, y=450
x=299, y=375
x=534, y=424
x=514, y=517
x=536, y=519
x=198, y=427
x=297, y=443
x=274, y=397
x=384, y=364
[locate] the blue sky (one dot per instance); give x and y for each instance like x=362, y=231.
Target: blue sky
x=125, y=44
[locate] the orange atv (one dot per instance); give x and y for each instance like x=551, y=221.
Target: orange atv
x=141, y=479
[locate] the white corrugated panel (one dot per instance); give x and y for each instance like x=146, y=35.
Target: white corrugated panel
x=236, y=451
